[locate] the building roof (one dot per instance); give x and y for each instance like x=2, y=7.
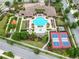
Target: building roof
x=30, y=9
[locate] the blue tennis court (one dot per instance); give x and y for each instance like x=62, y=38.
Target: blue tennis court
x=65, y=40
x=66, y=44
x=60, y=40
x=64, y=36
x=56, y=44
x=54, y=35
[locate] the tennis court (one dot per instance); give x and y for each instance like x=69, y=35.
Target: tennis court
x=60, y=40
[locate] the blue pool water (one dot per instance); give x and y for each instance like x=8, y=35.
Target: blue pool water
x=40, y=21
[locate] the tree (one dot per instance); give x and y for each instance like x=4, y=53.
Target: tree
x=78, y=22
x=58, y=7
x=65, y=17
x=0, y=11
x=73, y=52
x=46, y=2
x=20, y=35
x=34, y=1
x=73, y=25
x=58, y=0
x=67, y=10
x=7, y=3
x=76, y=14
x=19, y=0
x=49, y=44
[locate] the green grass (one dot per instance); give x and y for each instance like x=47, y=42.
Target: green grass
x=34, y=43
x=60, y=22
x=24, y=26
x=2, y=25
x=18, y=25
x=60, y=51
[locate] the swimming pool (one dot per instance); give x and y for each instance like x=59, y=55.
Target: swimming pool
x=40, y=21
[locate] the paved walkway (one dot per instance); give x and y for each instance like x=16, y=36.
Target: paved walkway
x=21, y=24
x=47, y=41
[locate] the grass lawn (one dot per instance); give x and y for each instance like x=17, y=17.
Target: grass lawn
x=34, y=43
x=24, y=26
x=2, y=25
x=18, y=25
x=60, y=51
x=59, y=21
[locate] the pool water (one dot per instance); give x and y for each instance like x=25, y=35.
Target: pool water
x=40, y=21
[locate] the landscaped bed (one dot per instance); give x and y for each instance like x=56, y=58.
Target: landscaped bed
x=31, y=39
x=3, y=25
x=25, y=25
x=12, y=24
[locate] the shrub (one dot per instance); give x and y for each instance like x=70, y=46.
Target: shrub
x=10, y=42
x=45, y=38
x=36, y=51
x=76, y=14
x=78, y=22
x=73, y=25
x=67, y=10
x=20, y=35
x=7, y=3
x=73, y=52
x=10, y=54
x=39, y=10
x=1, y=57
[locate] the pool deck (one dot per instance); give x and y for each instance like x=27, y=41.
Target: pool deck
x=44, y=28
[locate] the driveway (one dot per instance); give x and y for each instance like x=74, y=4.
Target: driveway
x=23, y=52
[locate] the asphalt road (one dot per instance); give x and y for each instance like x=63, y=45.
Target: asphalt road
x=23, y=52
